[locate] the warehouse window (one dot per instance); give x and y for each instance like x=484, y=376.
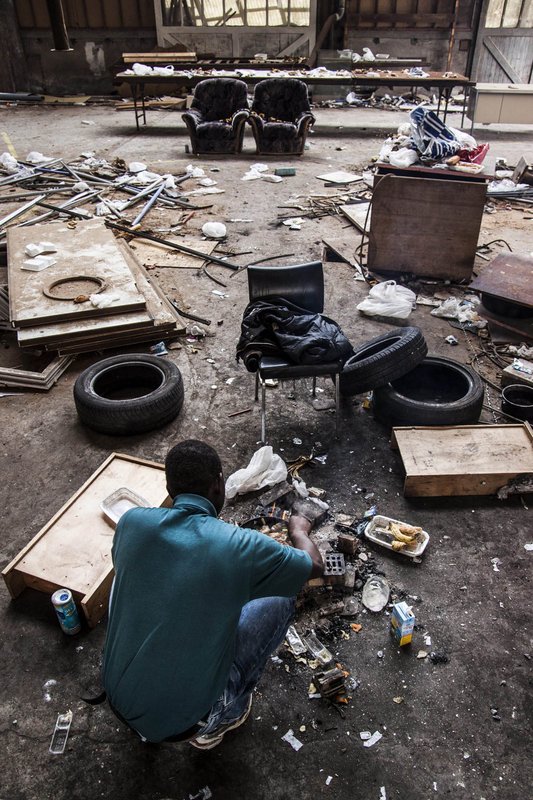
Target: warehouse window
x=249, y=13
x=510, y=14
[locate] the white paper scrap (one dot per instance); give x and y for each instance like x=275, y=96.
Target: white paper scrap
x=376, y=736
x=382, y=793
x=292, y=740
x=329, y=779
x=365, y=735
x=528, y=546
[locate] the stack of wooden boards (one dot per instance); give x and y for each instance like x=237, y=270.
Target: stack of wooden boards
x=125, y=308
x=160, y=58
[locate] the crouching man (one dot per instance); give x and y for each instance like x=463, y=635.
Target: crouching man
x=197, y=608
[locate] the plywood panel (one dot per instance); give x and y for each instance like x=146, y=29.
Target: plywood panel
x=427, y=226
x=88, y=249
x=463, y=460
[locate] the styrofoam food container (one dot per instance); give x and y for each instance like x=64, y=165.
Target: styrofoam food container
x=116, y=504
x=380, y=524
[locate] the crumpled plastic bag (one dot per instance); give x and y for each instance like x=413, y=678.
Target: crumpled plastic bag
x=403, y=157
x=266, y=468
x=462, y=310
x=387, y=299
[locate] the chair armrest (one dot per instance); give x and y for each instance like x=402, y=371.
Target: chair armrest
x=239, y=118
x=192, y=116
x=304, y=121
x=256, y=120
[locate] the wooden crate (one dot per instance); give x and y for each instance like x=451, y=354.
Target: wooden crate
x=463, y=459
x=73, y=550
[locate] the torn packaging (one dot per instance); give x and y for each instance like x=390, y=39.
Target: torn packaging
x=278, y=327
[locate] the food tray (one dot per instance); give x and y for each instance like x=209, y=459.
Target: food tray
x=380, y=523
x=116, y=504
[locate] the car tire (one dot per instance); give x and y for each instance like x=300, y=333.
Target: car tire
x=381, y=360
x=438, y=391
x=129, y=394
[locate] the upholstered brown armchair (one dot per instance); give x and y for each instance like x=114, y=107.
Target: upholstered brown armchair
x=217, y=116
x=281, y=116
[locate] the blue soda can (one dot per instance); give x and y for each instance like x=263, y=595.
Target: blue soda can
x=66, y=611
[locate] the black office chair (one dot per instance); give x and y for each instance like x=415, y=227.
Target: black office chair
x=303, y=285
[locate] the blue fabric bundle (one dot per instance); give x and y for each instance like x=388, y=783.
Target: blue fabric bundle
x=432, y=138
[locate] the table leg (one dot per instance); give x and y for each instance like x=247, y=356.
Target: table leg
x=138, y=95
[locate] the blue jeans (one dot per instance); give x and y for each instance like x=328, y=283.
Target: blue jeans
x=262, y=627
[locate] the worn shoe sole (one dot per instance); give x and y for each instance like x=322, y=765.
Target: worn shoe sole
x=214, y=739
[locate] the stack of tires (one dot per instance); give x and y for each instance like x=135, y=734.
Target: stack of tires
x=409, y=387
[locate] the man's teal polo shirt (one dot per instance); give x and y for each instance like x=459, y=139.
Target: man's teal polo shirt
x=182, y=577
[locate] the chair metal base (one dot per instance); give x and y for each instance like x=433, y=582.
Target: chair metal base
x=259, y=380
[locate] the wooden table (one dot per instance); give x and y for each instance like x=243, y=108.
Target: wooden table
x=352, y=79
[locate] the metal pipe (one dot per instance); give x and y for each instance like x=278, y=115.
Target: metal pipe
x=146, y=208
x=173, y=245
x=21, y=210
x=59, y=28
x=79, y=198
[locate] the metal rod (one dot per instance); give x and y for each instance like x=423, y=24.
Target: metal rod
x=74, y=214
x=145, y=209
x=21, y=210
x=79, y=198
x=59, y=28
x=190, y=316
x=173, y=245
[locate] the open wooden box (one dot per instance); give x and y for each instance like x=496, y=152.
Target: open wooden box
x=73, y=550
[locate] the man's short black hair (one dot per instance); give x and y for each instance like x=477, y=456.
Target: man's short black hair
x=192, y=467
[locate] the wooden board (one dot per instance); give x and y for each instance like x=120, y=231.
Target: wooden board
x=90, y=249
x=73, y=550
x=425, y=226
x=463, y=460
x=359, y=215
x=509, y=277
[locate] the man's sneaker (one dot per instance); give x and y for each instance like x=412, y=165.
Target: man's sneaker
x=214, y=739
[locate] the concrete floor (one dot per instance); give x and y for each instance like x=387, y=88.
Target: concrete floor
x=442, y=741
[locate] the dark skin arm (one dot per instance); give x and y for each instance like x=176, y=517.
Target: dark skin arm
x=299, y=529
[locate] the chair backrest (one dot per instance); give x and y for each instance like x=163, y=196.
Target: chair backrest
x=302, y=284
x=220, y=98
x=281, y=98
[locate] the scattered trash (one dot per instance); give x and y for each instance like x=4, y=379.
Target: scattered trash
x=438, y=657
x=214, y=230
x=529, y=546
x=496, y=564
x=387, y=299
x=317, y=649
x=60, y=734
x=375, y=593
x=402, y=623
x=66, y=611
x=371, y=512
x=329, y=779
x=331, y=683
x=451, y=340
x=422, y=654
x=398, y=700
x=47, y=685
x=292, y=740
x=339, y=177
x=409, y=540
x=159, y=349
x=297, y=441
x=294, y=640
x=38, y=263
x=265, y=469
x=372, y=740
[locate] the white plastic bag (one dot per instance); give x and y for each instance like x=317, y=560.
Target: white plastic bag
x=388, y=300
x=403, y=157
x=266, y=468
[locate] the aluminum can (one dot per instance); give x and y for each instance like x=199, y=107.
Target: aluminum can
x=66, y=611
